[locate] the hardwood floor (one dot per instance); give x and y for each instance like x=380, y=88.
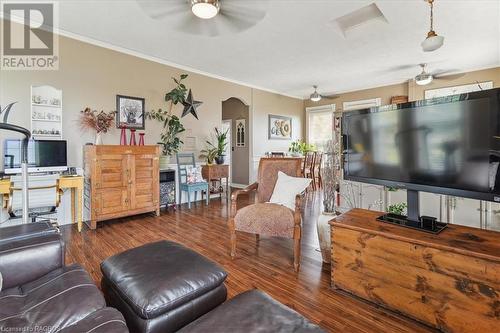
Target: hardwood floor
x=266, y=266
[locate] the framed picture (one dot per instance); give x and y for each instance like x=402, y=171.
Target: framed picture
x=280, y=127
x=130, y=112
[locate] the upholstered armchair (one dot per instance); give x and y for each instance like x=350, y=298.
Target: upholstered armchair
x=264, y=218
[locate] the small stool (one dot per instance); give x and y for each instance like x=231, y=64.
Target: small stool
x=252, y=311
x=162, y=286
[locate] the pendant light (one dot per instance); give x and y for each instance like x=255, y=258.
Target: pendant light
x=433, y=41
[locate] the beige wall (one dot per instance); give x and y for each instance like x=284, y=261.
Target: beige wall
x=234, y=109
x=410, y=89
x=92, y=76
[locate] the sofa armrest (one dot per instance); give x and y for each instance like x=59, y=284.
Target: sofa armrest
x=28, y=259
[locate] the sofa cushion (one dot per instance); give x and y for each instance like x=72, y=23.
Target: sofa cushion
x=252, y=311
x=107, y=320
x=267, y=219
x=287, y=188
x=158, y=277
x=58, y=299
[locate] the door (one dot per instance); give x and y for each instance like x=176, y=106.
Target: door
x=144, y=181
x=112, y=201
x=226, y=126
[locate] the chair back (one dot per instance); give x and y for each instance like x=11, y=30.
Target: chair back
x=44, y=194
x=318, y=159
x=268, y=174
x=308, y=162
x=183, y=161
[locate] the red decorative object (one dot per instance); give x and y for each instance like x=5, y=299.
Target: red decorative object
x=141, y=139
x=123, y=137
x=132, y=137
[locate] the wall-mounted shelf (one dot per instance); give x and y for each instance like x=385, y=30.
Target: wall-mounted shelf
x=46, y=112
x=46, y=105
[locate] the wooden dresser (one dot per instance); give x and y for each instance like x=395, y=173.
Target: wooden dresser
x=450, y=280
x=120, y=181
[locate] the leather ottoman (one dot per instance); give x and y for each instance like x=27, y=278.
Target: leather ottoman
x=162, y=286
x=252, y=311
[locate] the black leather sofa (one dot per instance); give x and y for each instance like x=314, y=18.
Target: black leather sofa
x=40, y=293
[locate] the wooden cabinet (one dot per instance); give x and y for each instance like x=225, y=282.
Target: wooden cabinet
x=450, y=280
x=121, y=181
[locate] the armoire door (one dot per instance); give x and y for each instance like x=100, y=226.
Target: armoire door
x=144, y=182
x=111, y=171
x=111, y=201
x=111, y=184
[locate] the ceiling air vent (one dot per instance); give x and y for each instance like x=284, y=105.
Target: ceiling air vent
x=359, y=18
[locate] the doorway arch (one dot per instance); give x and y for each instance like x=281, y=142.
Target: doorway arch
x=237, y=113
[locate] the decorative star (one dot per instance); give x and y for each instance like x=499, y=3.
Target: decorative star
x=190, y=105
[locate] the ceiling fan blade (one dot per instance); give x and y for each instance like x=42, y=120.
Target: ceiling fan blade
x=193, y=25
x=333, y=96
x=158, y=9
x=448, y=77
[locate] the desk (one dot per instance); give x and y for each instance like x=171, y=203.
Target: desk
x=215, y=172
x=73, y=183
x=76, y=186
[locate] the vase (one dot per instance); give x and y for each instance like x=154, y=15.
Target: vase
x=123, y=137
x=98, y=138
x=141, y=139
x=219, y=159
x=132, y=137
x=324, y=235
x=164, y=162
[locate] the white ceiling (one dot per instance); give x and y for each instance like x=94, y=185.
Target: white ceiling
x=297, y=45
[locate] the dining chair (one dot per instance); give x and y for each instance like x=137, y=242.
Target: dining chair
x=307, y=167
x=183, y=161
x=316, y=170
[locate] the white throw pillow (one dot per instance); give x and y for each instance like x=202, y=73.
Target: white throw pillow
x=287, y=188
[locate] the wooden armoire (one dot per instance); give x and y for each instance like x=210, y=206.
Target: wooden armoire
x=120, y=181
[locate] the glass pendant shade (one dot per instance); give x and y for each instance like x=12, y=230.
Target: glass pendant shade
x=205, y=9
x=432, y=43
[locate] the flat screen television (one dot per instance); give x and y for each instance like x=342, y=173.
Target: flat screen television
x=43, y=156
x=448, y=145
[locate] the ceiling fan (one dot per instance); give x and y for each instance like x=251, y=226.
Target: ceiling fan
x=425, y=78
x=207, y=17
x=316, y=97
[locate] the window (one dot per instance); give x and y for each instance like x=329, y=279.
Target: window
x=320, y=125
x=362, y=104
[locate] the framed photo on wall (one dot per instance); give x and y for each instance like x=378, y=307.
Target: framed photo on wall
x=280, y=127
x=130, y=112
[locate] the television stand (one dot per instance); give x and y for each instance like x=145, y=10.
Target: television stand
x=414, y=220
x=425, y=223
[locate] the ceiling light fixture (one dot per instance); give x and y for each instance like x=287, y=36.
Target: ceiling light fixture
x=423, y=78
x=433, y=41
x=205, y=9
x=315, y=96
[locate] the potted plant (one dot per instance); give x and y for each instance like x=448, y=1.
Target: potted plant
x=299, y=148
x=295, y=148
x=209, y=154
x=100, y=122
x=221, y=138
x=172, y=126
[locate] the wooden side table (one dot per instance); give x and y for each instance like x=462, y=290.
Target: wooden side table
x=76, y=186
x=214, y=173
